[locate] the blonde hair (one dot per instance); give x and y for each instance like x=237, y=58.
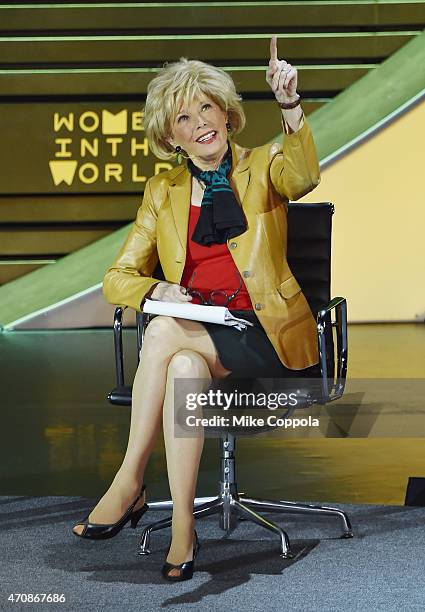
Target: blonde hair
x=179, y=83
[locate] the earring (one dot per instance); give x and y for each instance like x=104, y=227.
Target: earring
x=179, y=154
x=229, y=127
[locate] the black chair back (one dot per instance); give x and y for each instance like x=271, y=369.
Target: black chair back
x=309, y=250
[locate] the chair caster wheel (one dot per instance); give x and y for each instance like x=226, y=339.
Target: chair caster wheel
x=230, y=526
x=347, y=535
x=146, y=551
x=286, y=555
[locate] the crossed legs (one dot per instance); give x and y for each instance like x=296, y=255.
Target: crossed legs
x=172, y=348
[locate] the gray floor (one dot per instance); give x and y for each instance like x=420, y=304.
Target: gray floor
x=382, y=568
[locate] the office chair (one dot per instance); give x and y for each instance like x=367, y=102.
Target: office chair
x=309, y=257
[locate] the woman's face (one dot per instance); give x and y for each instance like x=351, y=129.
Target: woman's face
x=202, y=117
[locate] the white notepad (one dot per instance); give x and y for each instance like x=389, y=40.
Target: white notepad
x=196, y=312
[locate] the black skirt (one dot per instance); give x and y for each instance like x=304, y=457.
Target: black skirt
x=249, y=353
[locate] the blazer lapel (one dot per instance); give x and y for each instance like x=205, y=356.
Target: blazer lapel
x=239, y=178
x=180, y=189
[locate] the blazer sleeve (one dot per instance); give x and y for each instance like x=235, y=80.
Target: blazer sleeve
x=129, y=278
x=294, y=168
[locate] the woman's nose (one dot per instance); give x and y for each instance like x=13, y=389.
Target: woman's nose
x=201, y=122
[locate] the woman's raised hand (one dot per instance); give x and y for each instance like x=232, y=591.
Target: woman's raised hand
x=281, y=76
x=170, y=292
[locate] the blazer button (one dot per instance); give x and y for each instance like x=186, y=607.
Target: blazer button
x=233, y=245
x=258, y=306
x=246, y=273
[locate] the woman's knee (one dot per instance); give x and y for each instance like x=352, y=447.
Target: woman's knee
x=159, y=336
x=160, y=327
x=188, y=363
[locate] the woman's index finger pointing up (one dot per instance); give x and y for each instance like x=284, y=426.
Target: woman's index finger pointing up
x=273, y=49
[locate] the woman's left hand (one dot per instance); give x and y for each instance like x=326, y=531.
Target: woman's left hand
x=281, y=76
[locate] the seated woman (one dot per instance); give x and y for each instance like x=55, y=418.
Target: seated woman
x=217, y=223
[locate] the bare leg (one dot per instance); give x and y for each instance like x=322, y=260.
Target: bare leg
x=183, y=454
x=164, y=336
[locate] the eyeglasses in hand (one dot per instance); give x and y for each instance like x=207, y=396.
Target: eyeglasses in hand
x=216, y=297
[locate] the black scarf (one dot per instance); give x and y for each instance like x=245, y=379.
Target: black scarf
x=221, y=217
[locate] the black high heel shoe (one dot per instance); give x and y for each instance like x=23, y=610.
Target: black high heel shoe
x=94, y=531
x=186, y=568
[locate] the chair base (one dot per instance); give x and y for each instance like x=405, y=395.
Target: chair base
x=231, y=507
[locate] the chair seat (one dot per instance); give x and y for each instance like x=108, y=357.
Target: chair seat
x=305, y=398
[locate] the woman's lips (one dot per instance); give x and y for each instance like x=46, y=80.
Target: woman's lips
x=209, y=141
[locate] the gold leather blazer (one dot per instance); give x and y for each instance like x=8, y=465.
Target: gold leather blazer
x=264, y=179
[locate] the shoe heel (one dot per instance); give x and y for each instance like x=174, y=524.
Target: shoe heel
x=197, y=546
x=136, y=516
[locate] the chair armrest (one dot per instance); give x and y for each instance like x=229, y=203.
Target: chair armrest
x=121, y=394
x=119, y=364
x=142, y=321
x=339, y=304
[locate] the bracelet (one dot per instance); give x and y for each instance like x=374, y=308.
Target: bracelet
x=289, y=105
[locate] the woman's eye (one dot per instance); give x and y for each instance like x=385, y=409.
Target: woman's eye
x=186, y=116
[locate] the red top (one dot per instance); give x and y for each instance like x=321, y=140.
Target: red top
x=215, y=268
